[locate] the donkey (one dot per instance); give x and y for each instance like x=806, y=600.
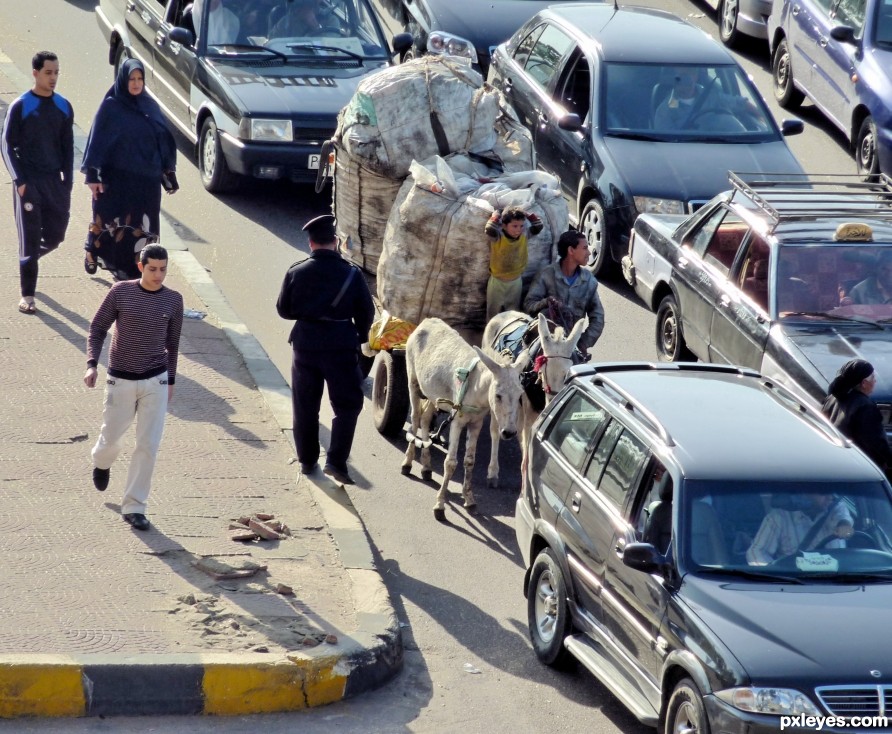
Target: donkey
x=443, y=368
x=543, y=374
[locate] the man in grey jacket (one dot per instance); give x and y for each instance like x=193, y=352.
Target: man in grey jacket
x=568, y=288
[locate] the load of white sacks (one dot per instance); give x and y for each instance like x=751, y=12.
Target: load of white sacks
x=435, y=259
x=425, y=107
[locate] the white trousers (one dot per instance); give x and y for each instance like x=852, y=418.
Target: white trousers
x=147, y=401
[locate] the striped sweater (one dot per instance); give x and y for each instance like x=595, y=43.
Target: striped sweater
x=147, y=331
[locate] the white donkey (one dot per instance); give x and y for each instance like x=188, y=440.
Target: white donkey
x=446, y=370
x=551, y=366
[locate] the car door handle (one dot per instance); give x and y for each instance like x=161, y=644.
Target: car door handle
x=725, y=300
x=795, y=10
x=576, y=502
x=131, y=7
x=822, y=41
x=160, y=38
x=620, y=547
x=543, y=119
x=682, y=263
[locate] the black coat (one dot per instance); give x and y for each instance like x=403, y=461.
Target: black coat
x=858, y=417
x=308, y=291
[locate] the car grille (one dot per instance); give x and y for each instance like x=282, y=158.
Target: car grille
x=856, y=700
x=313, y=134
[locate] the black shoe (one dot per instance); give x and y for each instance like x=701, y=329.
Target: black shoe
x=100, y=478
x=90, y=265
x=339, y=475
x=308, y=468
x=137, y=520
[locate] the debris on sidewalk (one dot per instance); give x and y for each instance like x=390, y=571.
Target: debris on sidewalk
x=259, y=526
x=232, y=569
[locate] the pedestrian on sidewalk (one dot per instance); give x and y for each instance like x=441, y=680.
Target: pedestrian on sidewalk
x=142, y=370
x=38, y=149
x=330, y=301
x=130, y=156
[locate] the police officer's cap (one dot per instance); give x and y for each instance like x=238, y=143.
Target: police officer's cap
x=321, y=229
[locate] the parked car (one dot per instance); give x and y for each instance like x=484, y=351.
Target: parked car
x=765, y=276
x=603, y=91
x=738, y=18
x=839, y=55
x=468, y=29
x=262, y=103
x=645, y=526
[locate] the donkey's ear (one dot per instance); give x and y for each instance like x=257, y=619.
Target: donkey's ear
x=544, y=333
x=488, y=361
x=578, y=329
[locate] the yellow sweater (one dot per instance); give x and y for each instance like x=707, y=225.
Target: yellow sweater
x=507, y=257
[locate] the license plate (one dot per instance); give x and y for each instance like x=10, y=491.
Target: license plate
x=313, y=164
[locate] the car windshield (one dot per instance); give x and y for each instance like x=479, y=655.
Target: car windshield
x=699, y=103
x=336, y=28
x=797, y=530
x=883, y=28
x=832, y=282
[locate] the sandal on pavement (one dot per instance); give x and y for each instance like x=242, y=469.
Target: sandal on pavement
x=90, y=265
x=27, y=306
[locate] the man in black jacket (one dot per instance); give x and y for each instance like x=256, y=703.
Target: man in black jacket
x=332, y=305
x=38, y=148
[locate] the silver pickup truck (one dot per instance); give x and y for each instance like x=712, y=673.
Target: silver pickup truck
x=256, y=89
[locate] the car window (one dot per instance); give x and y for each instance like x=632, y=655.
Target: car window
x=602, y=452
x=526, y=46
x=719, y=238
x=850, y=13
x=335, y=28
x=754, y=272
x=552, y=46
x=575, y=428
x=793, y=528
x=574, y=89
x=626, y=96
x=883, y=32
x=651, y=518
x=628, y=457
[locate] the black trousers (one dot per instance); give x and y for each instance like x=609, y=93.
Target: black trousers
x=337, y=369
x=41, y=218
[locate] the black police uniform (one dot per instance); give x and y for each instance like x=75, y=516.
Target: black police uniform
x=325, y=343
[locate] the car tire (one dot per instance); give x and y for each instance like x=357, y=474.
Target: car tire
x=785, y=91
x=215, y=174
x=866, y=157
x=685, y=712
x=548, y=613
x=671, y=345
x=593, y=226
x=728, y=12
x=390, y=394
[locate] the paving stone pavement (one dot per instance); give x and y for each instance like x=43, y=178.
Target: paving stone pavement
x=87, y=597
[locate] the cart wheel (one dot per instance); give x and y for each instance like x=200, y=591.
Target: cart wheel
x=390, y=394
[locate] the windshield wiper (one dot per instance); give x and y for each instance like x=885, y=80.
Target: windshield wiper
x=754, y=575
x=834, y=317
x=635, y=136
x=247, y=47
x=854, y=576
x=315, y=47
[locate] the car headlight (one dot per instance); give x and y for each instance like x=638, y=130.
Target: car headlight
x=651, y=205
x=777, y=701
x=449, y=45
x=268, y=130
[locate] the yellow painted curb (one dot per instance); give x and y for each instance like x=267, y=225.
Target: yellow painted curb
x=283, y=686
x=41, y=690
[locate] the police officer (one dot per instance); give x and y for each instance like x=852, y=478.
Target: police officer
x=331, y=303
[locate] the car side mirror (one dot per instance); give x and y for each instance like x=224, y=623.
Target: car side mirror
x=181, y=35
x=792, y=127
x=843, y=34
x=402, y=42
x=644, y=557
x=570, y=122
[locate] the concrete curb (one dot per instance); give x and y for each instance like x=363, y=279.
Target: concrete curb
x=213, y=683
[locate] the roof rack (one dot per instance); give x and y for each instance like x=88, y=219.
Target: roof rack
x=817, y=418
x=797, y=197
x=632, y=405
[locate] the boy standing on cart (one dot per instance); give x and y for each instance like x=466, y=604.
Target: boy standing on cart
x=508, y=232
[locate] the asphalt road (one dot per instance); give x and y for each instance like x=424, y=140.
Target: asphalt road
x=456, y=586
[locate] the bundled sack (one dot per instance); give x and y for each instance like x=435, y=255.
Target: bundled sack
x=435, y=260
x=361, y=203
x=427, y=106
x=388, y=332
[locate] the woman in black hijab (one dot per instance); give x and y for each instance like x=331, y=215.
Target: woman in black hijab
x=130, y=154
x=850, y=409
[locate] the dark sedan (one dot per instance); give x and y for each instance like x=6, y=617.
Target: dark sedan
x=259, y=93
x=635, y=110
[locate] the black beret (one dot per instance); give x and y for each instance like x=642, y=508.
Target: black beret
x=321, y=229
x=850, y=375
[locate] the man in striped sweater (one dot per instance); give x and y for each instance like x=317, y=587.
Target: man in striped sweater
x=142, y=369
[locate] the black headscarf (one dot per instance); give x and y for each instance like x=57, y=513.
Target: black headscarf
x=850, y=375
x=125, y=128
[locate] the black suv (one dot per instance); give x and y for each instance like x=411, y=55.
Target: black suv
x=711, y=548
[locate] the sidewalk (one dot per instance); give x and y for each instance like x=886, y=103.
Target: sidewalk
x=97, y=619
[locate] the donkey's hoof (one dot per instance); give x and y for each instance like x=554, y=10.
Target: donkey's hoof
x=406, y=470
x=471, y=509
x=427, y=474
x=439, y=514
